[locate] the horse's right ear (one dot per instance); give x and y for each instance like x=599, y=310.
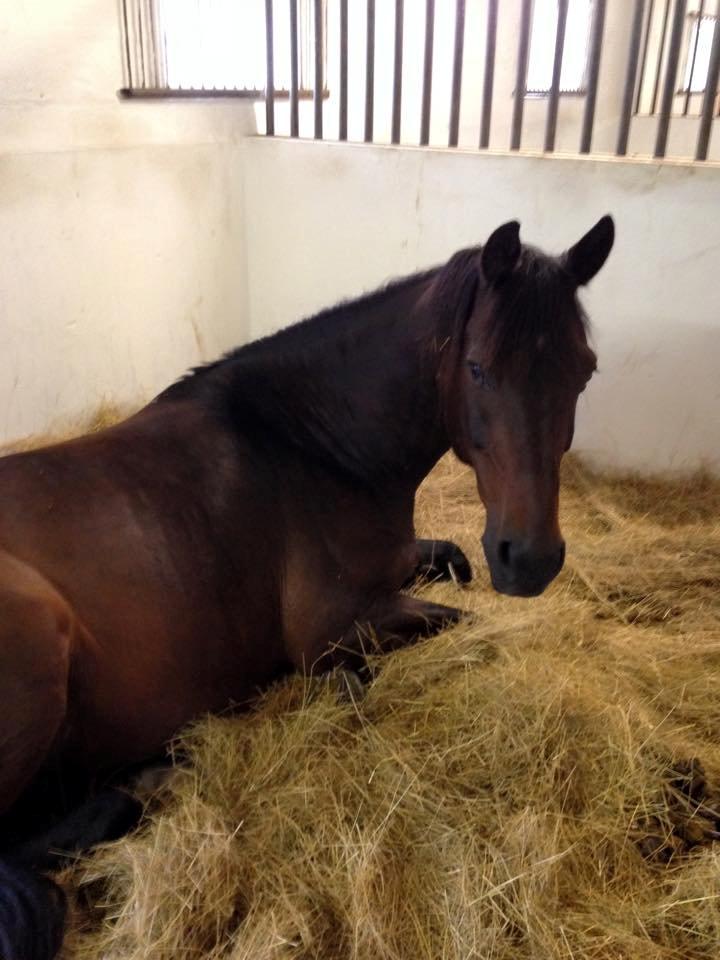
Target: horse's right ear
x=501, y=253
x=589, y=254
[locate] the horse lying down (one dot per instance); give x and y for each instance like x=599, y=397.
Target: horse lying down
x=257, y=517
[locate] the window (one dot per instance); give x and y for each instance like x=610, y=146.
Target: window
x=692, y=72
x=542, y=46
x=216, y=46
x=697, y=60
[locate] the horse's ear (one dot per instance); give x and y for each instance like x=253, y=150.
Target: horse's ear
x=501, y=253
x=589, y=254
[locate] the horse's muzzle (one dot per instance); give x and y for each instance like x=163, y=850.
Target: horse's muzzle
x=520, y=571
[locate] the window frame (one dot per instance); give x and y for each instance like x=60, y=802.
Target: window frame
x=532, y=93
x=140, y=51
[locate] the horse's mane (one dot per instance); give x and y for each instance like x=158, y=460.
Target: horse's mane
x=319, y=332
x=535, y=305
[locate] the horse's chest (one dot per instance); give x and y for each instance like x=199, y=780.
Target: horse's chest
x=333, y=574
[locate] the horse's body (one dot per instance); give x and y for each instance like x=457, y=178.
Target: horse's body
x=157, y=588
x=246, y=522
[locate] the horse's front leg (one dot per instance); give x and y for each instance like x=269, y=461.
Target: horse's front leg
x=440, y=560
x=388, y=625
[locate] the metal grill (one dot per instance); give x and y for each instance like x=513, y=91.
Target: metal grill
x=511, y=65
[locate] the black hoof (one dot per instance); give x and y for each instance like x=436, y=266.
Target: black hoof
x=458, y=565
x=350, y=687
x=443, y=560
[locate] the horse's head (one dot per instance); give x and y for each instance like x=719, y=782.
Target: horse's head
x=520, y=361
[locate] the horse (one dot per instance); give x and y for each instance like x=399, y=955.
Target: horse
x=257, y=517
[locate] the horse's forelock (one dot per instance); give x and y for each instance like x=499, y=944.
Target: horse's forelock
x=534, y=313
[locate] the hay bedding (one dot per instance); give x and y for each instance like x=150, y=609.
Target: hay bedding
x=538, y=782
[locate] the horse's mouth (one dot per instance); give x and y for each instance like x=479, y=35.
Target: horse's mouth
x=512, y=589
x=511, y=584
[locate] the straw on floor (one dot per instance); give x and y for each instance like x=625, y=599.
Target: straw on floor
x=539, y=782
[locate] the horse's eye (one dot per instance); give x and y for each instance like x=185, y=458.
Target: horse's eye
x=477, y=373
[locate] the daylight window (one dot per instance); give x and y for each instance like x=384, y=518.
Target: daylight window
x=697, y=61
x=542, y=46
x=185, y=46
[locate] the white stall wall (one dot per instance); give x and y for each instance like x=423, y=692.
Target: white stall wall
x=122, y=257
x=327, y=221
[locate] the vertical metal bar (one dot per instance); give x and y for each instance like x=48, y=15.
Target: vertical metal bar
x=427, y=72
x=151, y=41
x=554, y=94
x=319, y=79
x=521, y=75
x=397, y=72
x=661, y=51
x=457, y=73
x=688, y=92
x=141, y=46
x=294, y=78
x=630, y=78
x=489, y=77
x=270, y=75
x=126, y=38
x=670, y=77
x=342, y=132
x=643, y=58
x=370, y=72
x=598, y=25
x=711, y=87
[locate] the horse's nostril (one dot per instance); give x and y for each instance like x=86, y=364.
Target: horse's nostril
x=561, y=555
x=504, y=552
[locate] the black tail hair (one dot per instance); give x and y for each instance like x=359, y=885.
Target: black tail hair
x=32, y=906
x=32, y=914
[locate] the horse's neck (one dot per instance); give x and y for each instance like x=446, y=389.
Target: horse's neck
x=364, y=400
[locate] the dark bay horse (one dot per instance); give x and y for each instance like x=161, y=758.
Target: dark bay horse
x=257, y=516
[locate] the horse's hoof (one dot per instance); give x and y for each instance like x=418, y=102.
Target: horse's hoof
x=458, y=565
x=350, y=688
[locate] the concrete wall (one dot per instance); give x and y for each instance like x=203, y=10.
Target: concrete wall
x=122, y=257
x=329, y=221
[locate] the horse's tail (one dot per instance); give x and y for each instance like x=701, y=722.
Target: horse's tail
x=32, y=914
x=32, y=906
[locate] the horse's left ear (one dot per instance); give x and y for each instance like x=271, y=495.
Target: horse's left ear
x=589, y=254
x=501, y=253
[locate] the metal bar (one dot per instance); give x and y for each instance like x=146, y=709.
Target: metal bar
x=457, y=73
x=521, y=75
x=688, y=94
x=370, y=72
x=489, y=77
x=294, y=72
x=397, y=72
x=319, y=80
x=427, y=72
x=270, y=75
x=342, y=131
x=152, y=43
x=666, y=103
x=711, y=88
x=643, y=58
x=140, y=46
x=630, y=78
x=554, y=94
x=126, y=38
x=598, y=26
x=661, y=49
